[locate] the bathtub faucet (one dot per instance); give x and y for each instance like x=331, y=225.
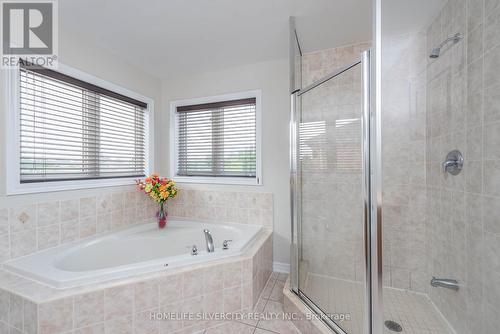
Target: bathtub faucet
x=209, y=240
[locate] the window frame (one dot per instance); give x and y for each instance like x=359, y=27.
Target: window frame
x=174, y=142
x=14, y=186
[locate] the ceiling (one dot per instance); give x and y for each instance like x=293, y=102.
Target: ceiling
x=172, y=37
x=403, y=16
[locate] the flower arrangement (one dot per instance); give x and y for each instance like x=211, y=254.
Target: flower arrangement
x=160, y=189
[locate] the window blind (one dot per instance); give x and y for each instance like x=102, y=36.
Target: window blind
x=73, y=130
x=217, y=139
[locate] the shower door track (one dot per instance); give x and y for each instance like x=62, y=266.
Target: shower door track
x=318, y=312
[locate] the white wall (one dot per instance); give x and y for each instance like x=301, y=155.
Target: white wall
x=79, y=54
x=273, y=79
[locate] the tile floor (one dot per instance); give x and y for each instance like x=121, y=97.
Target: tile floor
x=413, y=311
x=271, y=300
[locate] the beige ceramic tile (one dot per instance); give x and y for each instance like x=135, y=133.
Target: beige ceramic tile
x=48, y=213
x=94, y=329
x=230, y=328
x=118, y=302
x=192, y=285
x=89, y=309
x=173, y=323
x=146, y=295
x=88, y=226
x=232, y=299
x=70, y=231
x=56, y=316
x=87, y=206
x=22, y=218
x=22, y=243
x=122, y=325
x=48, y=236
x=70, y=210
x=170, y=289
x=213, y=278
x=143, y=323
x=232, y=274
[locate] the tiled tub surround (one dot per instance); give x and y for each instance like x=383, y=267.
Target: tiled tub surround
x=254, y=208
x=124, y=306
x=33, y=227
x=132, y=251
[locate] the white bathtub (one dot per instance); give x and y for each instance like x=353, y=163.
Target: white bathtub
x=135, y=250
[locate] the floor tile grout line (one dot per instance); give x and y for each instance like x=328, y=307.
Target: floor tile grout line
x=266, y=300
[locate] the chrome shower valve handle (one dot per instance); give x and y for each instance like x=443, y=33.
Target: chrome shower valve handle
x=454, y=163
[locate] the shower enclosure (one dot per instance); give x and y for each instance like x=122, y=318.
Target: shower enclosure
x=330, y=136
x=395, y=172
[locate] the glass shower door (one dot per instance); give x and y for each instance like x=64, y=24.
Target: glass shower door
x=329, y=196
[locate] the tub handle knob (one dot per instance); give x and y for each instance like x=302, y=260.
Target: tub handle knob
x=194, y=249
x=225, y=244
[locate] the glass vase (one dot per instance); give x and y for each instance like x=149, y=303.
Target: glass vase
x=161, y=215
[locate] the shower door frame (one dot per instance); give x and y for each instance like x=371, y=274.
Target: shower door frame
x=372, y=214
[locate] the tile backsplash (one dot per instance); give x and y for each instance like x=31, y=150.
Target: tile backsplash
x=224, y=206
x=32, y=227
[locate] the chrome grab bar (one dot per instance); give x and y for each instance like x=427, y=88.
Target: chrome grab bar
x=445, y=283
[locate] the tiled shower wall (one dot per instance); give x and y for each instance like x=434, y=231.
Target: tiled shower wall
x=330, y=147
x=463, y=112
x=403, y=161
x=332, y=211
x=36, y=226
x=332, y=220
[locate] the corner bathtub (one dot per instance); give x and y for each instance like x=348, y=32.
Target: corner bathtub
x=136, y=250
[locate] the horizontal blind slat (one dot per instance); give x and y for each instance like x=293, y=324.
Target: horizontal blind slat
x=63, y=134
x=72, y=133
x=29, y=110
x=43, y=124
x=30, y=95
x=219, y=141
